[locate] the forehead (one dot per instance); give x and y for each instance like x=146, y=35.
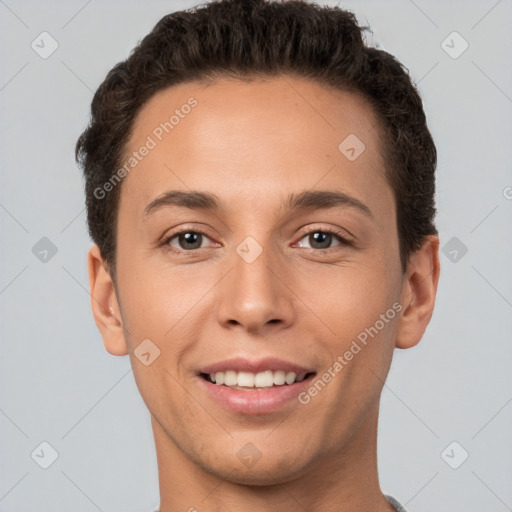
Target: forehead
x=228, y=104
x=247, y=139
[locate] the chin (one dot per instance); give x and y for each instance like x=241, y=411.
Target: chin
x=262, y=476
x=252, y=468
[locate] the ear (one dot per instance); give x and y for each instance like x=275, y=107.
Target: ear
x=419, y=293
x=105, y=307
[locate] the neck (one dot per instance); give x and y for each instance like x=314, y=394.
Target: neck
x=346, y=479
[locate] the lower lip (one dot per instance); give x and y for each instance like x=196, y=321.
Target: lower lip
x=255, y=401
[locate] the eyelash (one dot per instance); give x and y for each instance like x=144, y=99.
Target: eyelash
x=338, y=234
x=168, y=239
x=330, y=231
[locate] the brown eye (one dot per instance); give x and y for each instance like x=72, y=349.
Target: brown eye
x=190, y=240
x=322, y=239
x=186, y=240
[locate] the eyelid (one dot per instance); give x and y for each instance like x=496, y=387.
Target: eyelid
x=340, y=233
x=184, y=229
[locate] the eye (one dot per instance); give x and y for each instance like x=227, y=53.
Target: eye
x=322, y=239
x=190, y=240
x=186, y=241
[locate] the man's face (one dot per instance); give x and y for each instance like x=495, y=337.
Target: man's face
x=265, y=288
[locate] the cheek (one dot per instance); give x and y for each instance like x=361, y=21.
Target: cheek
x=151, y=298
x=167, y=306
x=350, y=298
x=356, y=304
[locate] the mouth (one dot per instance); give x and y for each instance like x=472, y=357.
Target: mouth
x=247, y=381
x=255, y=387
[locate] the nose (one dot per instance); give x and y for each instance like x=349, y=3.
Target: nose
x=254, y=294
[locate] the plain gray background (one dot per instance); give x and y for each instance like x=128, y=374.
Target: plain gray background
x=58, y=384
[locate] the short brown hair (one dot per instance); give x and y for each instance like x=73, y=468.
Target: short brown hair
x=244, y=38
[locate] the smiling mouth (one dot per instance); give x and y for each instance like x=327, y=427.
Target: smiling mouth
x=248, y=381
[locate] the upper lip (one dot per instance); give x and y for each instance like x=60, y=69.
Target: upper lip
x=242, y=364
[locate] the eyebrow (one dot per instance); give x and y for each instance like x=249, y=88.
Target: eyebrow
x=307, y=200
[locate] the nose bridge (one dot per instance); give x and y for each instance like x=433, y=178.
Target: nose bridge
x=252, y=295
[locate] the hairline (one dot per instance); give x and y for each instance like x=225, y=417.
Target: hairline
x=212, y=77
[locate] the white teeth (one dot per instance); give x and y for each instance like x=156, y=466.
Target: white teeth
x=290, y=377
x=230, y=378
x=264, y=379
x=245, y=379
x=279, y=378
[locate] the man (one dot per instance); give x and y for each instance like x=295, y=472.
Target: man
x=260, y=191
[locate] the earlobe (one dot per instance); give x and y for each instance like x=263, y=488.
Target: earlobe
x=419, y=293
x=105, y=308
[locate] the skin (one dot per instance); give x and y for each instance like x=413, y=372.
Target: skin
x=252, y=144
